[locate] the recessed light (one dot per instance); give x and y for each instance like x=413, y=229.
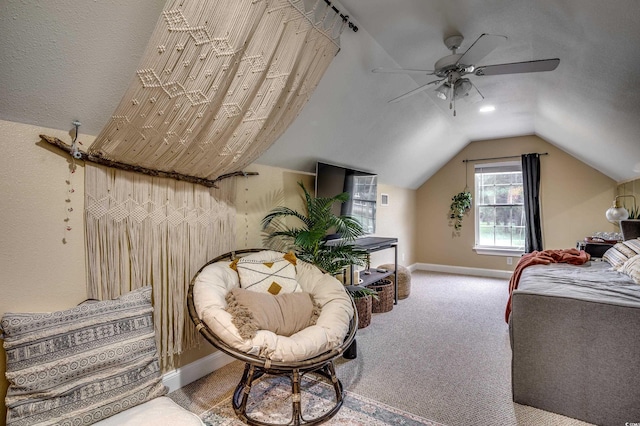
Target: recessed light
x=487, y=108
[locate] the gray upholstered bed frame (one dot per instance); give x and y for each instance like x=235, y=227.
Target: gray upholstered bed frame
x=579, y=358
x=576, y=358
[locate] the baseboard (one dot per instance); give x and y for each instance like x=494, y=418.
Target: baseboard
x=462, y=270
x=191, y=372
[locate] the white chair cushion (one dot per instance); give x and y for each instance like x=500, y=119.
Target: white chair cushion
x=216, y=280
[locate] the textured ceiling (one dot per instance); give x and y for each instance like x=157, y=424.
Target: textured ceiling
x=73, y=59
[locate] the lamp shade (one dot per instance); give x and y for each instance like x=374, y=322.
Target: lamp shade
x=462, y=88
x=616, y=214
x=442, y=91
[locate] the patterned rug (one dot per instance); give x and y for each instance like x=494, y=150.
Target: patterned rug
x=274, y=395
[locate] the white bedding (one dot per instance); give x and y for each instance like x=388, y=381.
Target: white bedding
x=216, y=280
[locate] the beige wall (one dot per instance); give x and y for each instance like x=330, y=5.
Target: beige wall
x=38, y=271
x=41, y=273
x=629, y=188
x=398, y=220
x=574, y=198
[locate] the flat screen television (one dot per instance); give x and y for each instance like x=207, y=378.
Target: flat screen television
x=361, y=186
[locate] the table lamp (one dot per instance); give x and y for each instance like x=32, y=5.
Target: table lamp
x=617, y=212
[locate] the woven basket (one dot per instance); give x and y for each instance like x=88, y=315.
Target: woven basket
x=404, y=279
x=363, y=305
x=385, y=296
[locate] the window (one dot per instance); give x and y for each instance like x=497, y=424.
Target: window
x=499, y=214
x=363, y=203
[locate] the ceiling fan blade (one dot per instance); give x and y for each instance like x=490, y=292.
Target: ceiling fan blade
x=414, y=91
x=402, y=71
x=519, y=67
x=480, y=48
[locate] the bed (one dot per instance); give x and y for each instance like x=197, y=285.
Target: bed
x=575, y=339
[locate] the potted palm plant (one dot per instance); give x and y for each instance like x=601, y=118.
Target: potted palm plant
x=308, y=237
x=308, y=240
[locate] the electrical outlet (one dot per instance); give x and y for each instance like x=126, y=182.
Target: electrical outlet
x=403, y=257
x=509, y=261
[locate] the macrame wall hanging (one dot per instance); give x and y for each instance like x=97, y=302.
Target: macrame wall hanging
x=143, y=230
x=219, y=82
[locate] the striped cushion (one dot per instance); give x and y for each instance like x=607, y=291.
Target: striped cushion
x=621, y=252
x=632, y=268
x=81, y=365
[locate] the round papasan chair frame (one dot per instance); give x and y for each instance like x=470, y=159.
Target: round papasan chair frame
x=256, y=367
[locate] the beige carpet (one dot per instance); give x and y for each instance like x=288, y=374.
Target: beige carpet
x=442, y=354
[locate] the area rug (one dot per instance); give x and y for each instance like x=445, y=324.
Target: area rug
x=274, y=396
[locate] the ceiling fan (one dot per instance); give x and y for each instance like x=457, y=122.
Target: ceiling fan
x=453, y=68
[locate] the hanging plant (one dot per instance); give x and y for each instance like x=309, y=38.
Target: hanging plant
x=461, y=203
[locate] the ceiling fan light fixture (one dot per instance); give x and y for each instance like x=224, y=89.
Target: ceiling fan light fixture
x=462, y=88
x=442, y=92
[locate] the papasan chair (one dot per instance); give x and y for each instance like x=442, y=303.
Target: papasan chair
x=278, y=315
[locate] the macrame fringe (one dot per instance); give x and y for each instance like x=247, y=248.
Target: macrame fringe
x=143, y=230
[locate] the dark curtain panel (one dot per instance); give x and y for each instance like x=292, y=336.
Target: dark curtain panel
x=531, y=185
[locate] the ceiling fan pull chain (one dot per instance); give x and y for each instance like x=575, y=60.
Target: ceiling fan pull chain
x=450, y=94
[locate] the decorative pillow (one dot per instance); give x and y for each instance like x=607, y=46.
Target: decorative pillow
x=81, y=365
x=267, y=272
x=284, y=314
x=633, y=244
x=621, y=252
x=632, y=268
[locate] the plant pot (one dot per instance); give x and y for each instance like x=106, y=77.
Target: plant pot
x=352, y=351
x=385, y=290
x=363, y=306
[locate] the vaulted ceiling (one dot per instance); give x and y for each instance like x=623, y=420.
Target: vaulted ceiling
x=73, y=59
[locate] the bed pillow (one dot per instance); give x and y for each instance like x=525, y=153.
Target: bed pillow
x=621, y=252
x=83, y=364
x=632, y=268
x=283, y=314
x=267, y=272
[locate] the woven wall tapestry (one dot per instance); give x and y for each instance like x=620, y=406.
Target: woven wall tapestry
x=143, y=230
x=219, y=82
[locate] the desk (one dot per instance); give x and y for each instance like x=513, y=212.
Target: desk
x=370, y=276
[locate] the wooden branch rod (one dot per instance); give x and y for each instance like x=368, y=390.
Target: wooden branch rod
x=131, y=168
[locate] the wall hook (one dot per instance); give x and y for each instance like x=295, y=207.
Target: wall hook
x=75, y=152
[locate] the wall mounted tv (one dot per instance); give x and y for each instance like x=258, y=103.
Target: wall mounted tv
x=361, y=186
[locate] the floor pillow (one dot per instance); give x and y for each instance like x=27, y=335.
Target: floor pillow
x=83, y=364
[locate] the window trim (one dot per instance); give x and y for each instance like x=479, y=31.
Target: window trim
x=508, y=251
x=497, y=251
